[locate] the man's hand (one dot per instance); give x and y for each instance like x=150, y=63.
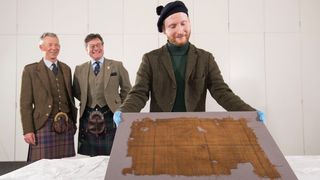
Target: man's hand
x=30, y=138
x=261, y=116
x=117, y=117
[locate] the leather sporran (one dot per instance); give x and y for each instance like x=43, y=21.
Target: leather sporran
x=60, y=123
x=96, y=123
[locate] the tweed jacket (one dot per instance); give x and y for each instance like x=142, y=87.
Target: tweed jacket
x=35, y=97
x=155, y=78
x=115, y=76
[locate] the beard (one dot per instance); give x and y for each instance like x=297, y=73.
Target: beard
x=180, y=39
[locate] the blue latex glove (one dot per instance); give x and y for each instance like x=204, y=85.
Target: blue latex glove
x=261, y=116
x=117, y=117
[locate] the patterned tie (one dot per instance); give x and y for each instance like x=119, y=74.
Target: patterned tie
x=97, y=68
x=54, y=69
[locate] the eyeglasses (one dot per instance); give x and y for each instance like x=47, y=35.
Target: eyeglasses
x=92, y=46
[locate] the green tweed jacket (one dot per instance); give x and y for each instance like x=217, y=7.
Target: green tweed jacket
x=35, y=97
x=155, y=79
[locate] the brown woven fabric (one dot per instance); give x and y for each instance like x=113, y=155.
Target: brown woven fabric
x=195, y=147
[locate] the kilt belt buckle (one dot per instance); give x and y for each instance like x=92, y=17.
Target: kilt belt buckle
x=60, y=122
x=96, y=123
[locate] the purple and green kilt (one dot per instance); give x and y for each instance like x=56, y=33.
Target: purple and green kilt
x=91, y=144
x=51, y=145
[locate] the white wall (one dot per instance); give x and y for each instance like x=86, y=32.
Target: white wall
x=267, y=50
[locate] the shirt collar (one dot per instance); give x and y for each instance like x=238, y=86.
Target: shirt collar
x=101, y=60
x=48, y=63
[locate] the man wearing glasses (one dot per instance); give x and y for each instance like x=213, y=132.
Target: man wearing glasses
x=101, y=85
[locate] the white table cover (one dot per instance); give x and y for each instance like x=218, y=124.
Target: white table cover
x=94, y=168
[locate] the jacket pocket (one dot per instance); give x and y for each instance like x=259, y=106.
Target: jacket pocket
x=113, y=74
x=118, y=100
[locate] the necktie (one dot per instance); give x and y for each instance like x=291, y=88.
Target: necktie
x=54, y=69
x=97, y=68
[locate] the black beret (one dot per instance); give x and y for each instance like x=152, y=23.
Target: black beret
x=169, y=9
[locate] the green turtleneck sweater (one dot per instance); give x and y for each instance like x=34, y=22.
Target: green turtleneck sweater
x=179, y=61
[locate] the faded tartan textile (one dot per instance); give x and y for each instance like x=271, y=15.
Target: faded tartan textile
x=50, y=145
x=90, y=144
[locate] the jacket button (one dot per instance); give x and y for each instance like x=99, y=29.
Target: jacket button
x=47, y=114
x=49, y=106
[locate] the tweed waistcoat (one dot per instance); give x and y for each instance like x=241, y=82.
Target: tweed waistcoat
x=59, y=93
x=95, y=89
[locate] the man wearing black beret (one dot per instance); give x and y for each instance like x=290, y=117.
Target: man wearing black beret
x=177, y=76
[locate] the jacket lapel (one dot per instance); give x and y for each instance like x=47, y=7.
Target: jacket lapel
x=84, y=78
x=191, y=62
x=66, y=77
x=43, y=76
x=107, y=71
x=166, y=61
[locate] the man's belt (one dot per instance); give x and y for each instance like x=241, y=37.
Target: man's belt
x=103, y=109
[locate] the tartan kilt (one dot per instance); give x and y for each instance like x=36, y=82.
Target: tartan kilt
x=51, y=145
x=91, y=144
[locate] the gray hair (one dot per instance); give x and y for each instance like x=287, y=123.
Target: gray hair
x=47, y=34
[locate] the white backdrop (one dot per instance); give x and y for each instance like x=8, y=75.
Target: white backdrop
x=268, y=52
